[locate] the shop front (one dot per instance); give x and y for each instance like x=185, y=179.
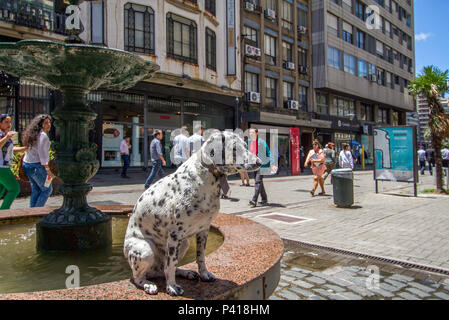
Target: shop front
x=138, y=116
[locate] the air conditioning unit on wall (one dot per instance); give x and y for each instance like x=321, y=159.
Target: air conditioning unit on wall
x=289, y=65
x=270, y=14
x=253, y=97
x=302, y=30
x=252, y=51
x=250, y=6
x=293, y=104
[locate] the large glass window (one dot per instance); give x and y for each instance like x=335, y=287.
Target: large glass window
x=349, y=63
x=287, y=15
x=97, y=12
x=211, y=50
x=344, y=107
x=251, y=82
x=383, y=116
x=270, y=49
x=361, y=39
x=366, y=112
x=322, y=103
x=209, y=5
x=363, y=69
x=250, y=35
x=287, y=53
x=270, y=92
x=347, y=32
x=181, y=38
x=302, y=18
x=303, y=98
x=302, y=57
x=332, y=24
x=139, y=28
x=287, y=92
x=333, y=57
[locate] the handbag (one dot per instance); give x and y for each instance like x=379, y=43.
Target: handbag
x=22, y=175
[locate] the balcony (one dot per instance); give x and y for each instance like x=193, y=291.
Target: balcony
x=32, y=15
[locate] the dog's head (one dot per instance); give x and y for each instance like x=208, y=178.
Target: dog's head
x=227, y=152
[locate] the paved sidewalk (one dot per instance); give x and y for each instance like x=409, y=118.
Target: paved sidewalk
x=392, y=224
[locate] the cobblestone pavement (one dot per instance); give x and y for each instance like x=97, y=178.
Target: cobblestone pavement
x=311, y=274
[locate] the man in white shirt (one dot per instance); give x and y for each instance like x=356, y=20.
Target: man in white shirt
x=345, y=160
x=445, y=155
x=196, y=141
x=181, y=147
x=125, y=145
x=422, y=159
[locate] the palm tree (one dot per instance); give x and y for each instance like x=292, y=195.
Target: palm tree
x=432, y=84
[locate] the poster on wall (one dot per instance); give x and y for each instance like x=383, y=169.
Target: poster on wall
x=294, y=151
x=112, y=136
x=395, y=154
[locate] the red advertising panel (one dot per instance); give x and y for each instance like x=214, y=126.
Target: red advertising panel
x=294, y=151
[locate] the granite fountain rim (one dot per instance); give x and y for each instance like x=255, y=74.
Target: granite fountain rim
x=242, y=260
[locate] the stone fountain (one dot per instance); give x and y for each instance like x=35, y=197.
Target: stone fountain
x=75, y=69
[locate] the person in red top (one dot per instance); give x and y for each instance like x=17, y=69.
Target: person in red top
x=315, y=160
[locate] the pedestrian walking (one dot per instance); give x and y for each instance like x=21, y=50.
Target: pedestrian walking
x=244, y=174
x=302, y=158
x=345, y=159
x=181, y=147
x=157, y=158
x=430, y=153
x=422, y=159
x=196, y=140
x=445, y=156
x=8, y=181
x=260, y=148
x=125, y=145
x=330, y=159
x=35, y=162
x=315, y=159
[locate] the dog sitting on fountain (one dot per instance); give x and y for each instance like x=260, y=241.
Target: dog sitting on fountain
x=178, y=207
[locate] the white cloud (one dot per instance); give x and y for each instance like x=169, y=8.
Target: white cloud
x=423, y=36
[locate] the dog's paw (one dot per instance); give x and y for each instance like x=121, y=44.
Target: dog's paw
x=150, y=288
x=207, y=277
x=175, y=290
x=188, y=274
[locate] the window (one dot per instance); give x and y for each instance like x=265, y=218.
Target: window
x=361, y=39
x=302, y=18
x=347, y=32
x=302, y=57
x=97, y=14
x=333, y=57
x=349, y=63
x=250, y=35
x=287, y=92
x=383, y=116
x=360, y=10
x=381, y=78
x=139, y=28
x=395, y=116
x=303, y=97
x=347, y=5
x=287, y=15
x=366, y=112
x=332, y=24
x=270, y=92
x=363, y=69
x=251, y=82
x=344, y=108
x=270, y=4
x=211, y=50
x=181, y=38
x=287, y=53
x=379, y=49
x=270, y=49
x=322, y=103
x=209, y=5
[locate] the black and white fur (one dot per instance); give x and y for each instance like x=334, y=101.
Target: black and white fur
x=178, y=207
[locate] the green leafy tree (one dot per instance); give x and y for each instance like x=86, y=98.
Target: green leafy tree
x=432, y=83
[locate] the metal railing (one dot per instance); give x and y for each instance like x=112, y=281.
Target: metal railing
x=32, y=15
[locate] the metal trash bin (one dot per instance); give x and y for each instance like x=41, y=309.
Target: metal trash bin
x=343, y=186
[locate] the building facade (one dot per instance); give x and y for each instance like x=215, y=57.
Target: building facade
x=277, y=74
x=363, y=61
x=194, y=43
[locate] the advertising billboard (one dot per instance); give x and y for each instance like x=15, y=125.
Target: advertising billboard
x=395, y=154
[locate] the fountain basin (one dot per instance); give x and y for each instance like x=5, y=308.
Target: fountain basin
x=247, y=264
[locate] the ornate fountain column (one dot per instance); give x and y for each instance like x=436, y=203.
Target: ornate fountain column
x=75, y=69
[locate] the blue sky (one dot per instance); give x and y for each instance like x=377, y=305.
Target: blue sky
x=432, y=34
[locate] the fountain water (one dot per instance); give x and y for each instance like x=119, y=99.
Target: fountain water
x=75, y=69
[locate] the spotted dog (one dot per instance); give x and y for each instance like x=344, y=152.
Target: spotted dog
x=178, y=207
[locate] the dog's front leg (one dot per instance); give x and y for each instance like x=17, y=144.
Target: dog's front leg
x=201, y=240
x=171, y=262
